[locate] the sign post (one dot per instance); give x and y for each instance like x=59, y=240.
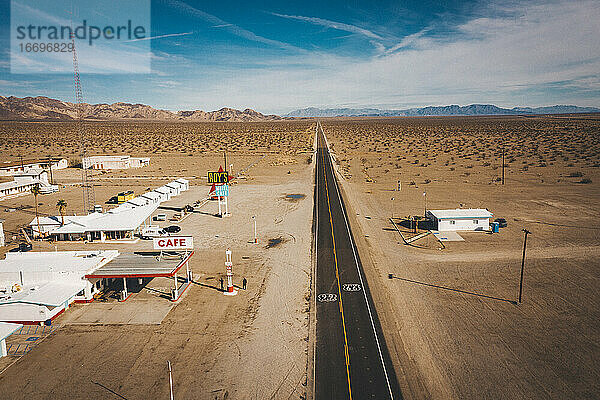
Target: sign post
x=228, y=268
x=222, y=191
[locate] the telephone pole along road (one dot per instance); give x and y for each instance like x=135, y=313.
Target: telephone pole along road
x=351, y=358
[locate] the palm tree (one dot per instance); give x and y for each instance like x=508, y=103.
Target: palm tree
x=62, y=206
x=35, y=190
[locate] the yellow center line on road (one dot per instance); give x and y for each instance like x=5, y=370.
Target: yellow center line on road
x=337, y=275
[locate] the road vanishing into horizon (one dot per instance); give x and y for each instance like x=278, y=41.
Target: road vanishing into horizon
x=351, y=358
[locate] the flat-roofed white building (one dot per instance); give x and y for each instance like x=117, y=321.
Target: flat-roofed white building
x=153, y=197
x=114, y=162
x=175, y=188
x=164, y=192
x=120, y=223
x=36, y=287
x=461, y=219
x=15, y=167
x=23, y=182
x=184, y=183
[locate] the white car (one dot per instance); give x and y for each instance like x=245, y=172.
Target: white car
x=160, y=217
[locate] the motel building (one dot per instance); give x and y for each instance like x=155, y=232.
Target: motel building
x=120, y=223
x=37, y=287
x=23, y=182
x=460, y=219
x=115, y=162
x=8, y=168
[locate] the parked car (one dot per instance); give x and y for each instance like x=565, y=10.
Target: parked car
x=501, y=222
x=172, y=229
x=23, y=247
x=160, y=217
x=152, y=231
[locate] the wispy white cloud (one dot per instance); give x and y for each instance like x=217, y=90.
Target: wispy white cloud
x=332, y=24
x=231, y=28
x=159, y=37
x=407, y=41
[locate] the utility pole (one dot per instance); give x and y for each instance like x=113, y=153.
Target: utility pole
x=22, y=166
x=392, y=208
x=50, y=159
x=523, y=264
x=255, y=237
x=225, y=165
x=425, y=196
x=503, y=163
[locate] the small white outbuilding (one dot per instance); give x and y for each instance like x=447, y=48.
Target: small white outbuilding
x=461, y=219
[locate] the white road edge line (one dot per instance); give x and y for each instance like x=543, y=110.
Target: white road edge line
x=360, y=277
x=316, y=205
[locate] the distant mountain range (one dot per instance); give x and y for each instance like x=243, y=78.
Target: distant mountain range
x=44, y=108
x=473, y=109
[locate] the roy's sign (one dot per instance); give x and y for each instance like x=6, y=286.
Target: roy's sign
x=218, y=177
x=174, y=243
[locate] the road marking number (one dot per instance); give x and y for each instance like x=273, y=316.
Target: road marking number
x=351, y=287
x=327, y=297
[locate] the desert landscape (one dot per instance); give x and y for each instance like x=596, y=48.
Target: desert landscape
x=449, y=313
x=480, y=344
x=253, y=345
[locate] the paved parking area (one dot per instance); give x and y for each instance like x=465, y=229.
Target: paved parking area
x=448, y=236
x=148, y=306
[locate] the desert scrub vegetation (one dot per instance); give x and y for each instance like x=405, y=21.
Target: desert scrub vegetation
x=450, y=145
x=38, y=139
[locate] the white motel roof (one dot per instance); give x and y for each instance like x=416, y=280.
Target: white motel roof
x=461, y=213
x=117, y=219
x=7, y=329
x=80, y=262
x=153, y=195
x=51, y=294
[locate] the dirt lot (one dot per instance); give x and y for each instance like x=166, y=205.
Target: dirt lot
x=253, y=345
x=450, y=344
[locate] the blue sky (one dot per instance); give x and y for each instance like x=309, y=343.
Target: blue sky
x=276, y=56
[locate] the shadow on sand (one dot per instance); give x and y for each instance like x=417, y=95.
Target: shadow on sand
x=391, y=276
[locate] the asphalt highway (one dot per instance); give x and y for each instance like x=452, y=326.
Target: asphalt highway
x=351, y=357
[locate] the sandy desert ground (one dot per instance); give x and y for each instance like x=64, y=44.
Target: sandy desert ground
x=445, y=344
x=250, y=346
x=450, y=344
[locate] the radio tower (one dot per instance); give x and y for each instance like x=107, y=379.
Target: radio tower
x=87, y=183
